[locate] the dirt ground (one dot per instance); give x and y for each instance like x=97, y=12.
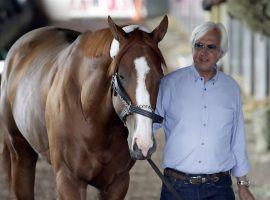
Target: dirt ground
x=144, y=183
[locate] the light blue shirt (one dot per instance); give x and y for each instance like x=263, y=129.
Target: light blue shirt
x=203, y=123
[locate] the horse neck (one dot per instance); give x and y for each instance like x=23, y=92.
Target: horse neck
x=88, y=67
x=93, y=81
x=96, y=44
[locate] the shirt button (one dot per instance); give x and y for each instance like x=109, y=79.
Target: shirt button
x=204, y=124
x=204, y=89
x=202, y=143
x=201, y=79
x=199, y=161
x=205, y=106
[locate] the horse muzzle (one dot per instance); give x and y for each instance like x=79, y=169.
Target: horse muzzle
x=137, y=154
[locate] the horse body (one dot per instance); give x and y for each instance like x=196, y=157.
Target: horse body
x=24, y=85
x=56, y=102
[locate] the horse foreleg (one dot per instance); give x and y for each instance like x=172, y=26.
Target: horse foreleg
x=23, y=166
x=116, y=190
x=68, y=186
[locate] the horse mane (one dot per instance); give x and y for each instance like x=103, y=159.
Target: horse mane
x=144, y=38
x=96, y=44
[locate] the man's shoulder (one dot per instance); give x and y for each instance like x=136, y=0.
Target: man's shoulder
x=228, y=80
x=177, y=74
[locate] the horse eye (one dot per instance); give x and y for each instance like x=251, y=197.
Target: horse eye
x=122, y=77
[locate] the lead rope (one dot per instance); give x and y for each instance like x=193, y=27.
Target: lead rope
x=164, y=180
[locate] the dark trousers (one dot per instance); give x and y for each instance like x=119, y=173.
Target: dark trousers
x=220, y=190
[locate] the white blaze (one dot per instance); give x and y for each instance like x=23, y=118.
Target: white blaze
x=143, y=132
x=115, y=44
x=2, y=63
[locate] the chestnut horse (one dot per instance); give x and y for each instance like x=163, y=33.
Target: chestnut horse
x=84, y=102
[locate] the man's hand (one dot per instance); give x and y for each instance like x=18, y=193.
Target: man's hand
x=244, y=193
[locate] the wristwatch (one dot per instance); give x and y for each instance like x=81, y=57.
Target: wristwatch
x=245, y=183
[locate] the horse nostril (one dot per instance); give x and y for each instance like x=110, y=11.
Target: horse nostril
x=152, y=149
x=136, y=153
x=135, y=146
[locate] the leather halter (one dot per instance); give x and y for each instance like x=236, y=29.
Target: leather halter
x=117, y=87
x=144, y=110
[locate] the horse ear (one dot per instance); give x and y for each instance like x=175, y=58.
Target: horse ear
x=160, y=31
x=118, y=33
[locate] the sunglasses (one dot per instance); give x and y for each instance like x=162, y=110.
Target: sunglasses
x=209, y=47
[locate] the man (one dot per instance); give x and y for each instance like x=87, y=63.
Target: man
x=203, y=124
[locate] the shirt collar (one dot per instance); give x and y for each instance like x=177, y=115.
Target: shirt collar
x=197, y=75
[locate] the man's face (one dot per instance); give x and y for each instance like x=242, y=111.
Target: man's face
x=207, y=51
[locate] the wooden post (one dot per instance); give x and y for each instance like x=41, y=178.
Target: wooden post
x=247, y=60
x=260, y=64
x=235, y=48
x=268, y=69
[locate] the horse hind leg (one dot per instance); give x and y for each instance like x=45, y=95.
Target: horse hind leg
x=22, y=159
x=6, y=165
x=19, y=157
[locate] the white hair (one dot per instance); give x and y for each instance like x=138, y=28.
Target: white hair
x=202, y=29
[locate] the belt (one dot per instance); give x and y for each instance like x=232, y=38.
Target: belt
x=196, y=179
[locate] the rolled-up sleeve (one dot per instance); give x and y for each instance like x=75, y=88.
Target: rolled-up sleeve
x=239, y=146
x=161, y=104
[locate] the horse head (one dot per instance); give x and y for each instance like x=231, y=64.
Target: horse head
x=136, y=71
